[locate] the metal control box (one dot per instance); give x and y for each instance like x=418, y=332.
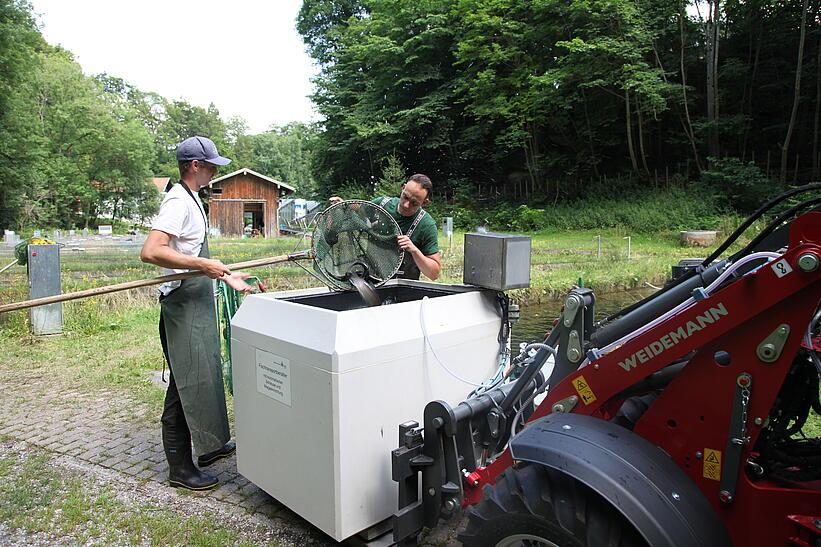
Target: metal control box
x=497, y=261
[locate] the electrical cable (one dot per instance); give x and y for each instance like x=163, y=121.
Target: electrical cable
x=515, y=425
x=433, y=350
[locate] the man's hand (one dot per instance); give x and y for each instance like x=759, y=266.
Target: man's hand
x=214, y=269
x=235, y=280
x=428, y=265
x=407, y=245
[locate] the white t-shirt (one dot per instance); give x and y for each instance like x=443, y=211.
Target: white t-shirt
x=183, y=219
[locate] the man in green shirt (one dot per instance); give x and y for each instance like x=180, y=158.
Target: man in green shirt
x=420, y=239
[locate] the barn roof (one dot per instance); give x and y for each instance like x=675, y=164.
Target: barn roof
x=246, y=171
x=161, y=183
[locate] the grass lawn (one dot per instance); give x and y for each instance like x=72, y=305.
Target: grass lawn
x=64, y=506
x=111, y=341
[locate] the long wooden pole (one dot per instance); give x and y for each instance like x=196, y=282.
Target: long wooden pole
x=145, y=282
x=7, y=266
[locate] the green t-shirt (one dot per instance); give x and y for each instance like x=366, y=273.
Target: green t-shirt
x=425, y=236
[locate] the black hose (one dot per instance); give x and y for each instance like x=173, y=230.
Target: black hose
x=774, y=225
x=530, y=372
x=755, y=216
x=724, y=246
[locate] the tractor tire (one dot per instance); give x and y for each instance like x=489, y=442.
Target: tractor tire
x=532, y=505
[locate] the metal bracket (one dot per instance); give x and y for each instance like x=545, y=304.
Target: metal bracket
x=574, y=347
x=769, y=350
x=566, y=405
x=738, y=438
x=571, y=308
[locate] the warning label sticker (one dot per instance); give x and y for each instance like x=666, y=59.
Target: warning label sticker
x=712, y=464
x=584, y=391
x=274, y=376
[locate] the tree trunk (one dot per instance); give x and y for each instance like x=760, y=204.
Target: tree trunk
x=629, y=125
x=590, y=136
x=712, y=76
x=641, y=139
x=797, y=96
x=688, y=128
x=749, y=110
x=530, y=161
x=716, y=29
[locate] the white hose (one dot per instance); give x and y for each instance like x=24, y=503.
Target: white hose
x=687, y=303
x=808, y=340
x=433, y=350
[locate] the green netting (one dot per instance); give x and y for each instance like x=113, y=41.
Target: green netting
x=356, y=237
x=228, y=302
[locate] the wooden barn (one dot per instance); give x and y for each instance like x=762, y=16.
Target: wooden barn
x=246, y=198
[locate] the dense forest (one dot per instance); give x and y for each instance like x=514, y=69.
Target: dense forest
x=544, y=99
x=501, y=102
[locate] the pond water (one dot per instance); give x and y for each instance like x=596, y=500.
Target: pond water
x=536, y=319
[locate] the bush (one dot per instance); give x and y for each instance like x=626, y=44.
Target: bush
x=737, y=185
x=651, y=211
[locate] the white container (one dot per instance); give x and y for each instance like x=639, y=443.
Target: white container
x=319, y=393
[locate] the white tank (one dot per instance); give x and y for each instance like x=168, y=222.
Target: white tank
x=321, y=384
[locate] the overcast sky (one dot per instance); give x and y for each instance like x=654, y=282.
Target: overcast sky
x=179, y=49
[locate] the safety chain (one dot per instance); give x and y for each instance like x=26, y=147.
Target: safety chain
x=744, y=382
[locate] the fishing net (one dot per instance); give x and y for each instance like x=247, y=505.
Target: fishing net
x=355, y=238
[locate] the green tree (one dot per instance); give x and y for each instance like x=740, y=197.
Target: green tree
x=20, y=145
x=284, y=153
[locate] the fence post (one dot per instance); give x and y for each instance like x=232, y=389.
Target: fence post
x=628, y=246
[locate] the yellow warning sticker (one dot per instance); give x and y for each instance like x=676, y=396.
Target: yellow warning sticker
x=712, y=464
x=584, y=390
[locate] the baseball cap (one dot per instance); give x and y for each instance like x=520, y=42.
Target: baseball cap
x=200, y=148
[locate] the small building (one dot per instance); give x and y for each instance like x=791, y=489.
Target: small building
x=246, y=198
x=163, y=184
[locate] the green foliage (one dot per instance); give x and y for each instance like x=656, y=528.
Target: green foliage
x=284, y=153
x=76, y=148
x=393, y=177
x=738, y=185
x=19, y=142
x=650, y=212
x=533, y=99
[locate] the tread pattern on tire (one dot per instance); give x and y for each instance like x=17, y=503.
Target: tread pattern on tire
x=533, y=499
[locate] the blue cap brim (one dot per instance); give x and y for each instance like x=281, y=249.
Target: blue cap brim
x=219, y=160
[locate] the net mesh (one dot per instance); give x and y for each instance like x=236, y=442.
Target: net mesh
x=355, y=237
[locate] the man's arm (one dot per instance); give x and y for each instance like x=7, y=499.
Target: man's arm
x=156, y=250
x=429, y=265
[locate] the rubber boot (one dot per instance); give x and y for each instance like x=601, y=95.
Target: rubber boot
x=182, y=473
x=207, y=459
x=176, y=440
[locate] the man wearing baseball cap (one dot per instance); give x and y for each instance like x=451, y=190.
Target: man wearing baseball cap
x=194, y=408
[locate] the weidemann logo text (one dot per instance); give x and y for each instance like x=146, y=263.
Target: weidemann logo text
x=674, y=337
